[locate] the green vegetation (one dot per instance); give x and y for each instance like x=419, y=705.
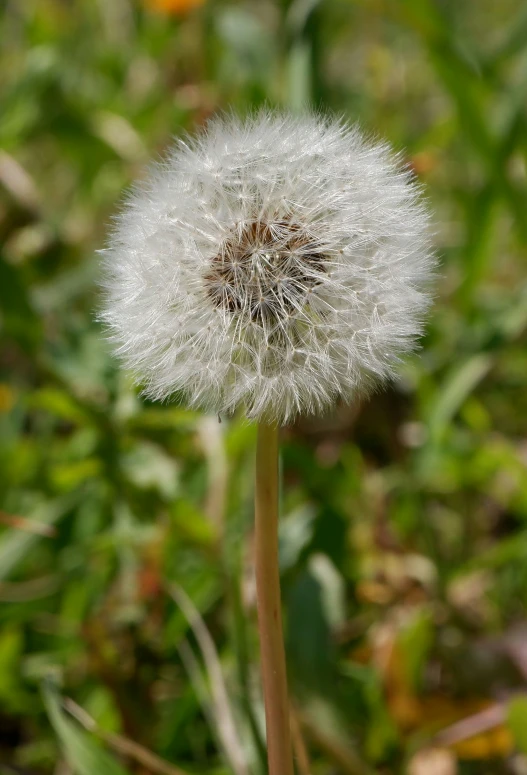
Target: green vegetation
x=125, y=526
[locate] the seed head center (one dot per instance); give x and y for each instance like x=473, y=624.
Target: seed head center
x=265, y=271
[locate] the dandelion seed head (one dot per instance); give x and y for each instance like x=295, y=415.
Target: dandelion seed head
x=275, y=264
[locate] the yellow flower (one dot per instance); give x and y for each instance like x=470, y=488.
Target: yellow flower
x=174, y=6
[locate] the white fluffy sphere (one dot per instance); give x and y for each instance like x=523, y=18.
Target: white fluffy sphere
x=275, y=263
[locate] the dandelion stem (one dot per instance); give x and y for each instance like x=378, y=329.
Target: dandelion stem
x=279, y=751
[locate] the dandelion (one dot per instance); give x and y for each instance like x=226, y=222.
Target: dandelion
x=273, y=265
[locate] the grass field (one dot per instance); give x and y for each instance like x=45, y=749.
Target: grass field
x=404, y=532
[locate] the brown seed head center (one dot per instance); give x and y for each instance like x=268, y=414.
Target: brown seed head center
x=265, y=271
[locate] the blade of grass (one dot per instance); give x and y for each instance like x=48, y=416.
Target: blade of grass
x=122, y=745
x=82, y=753
x=458, y=386
x=223, y=714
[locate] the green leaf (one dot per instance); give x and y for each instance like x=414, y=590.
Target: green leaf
x=458, y=387
x=83, y=753
x=416, y=640
x=18, y=319
x=296, y=531
x=15, y=544
x=58, y=403
x=148, y=466
x=517, y=721
x=313, y=606
x=12, y=695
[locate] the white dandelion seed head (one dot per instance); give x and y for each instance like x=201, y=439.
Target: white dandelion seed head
x=275, y=263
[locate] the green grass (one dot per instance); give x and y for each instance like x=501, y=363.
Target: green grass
x=404, y=532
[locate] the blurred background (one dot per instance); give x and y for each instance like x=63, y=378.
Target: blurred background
x=127, y=638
